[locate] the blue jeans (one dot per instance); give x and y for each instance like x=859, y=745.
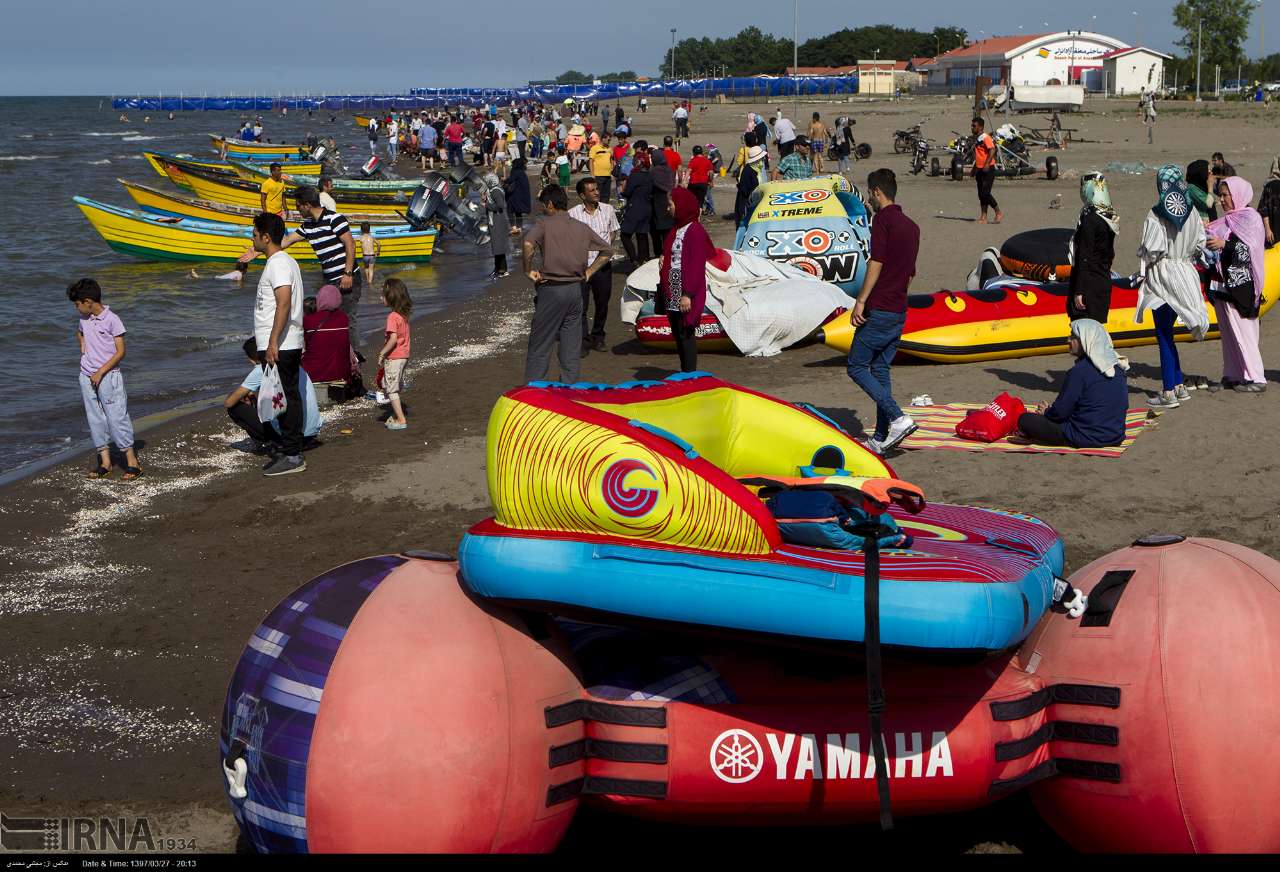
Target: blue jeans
x=455, y=154
x=874, y=345
x=392, y=149
x=1170, y=365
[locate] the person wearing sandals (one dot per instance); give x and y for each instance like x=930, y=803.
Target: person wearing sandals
x=1173, y=239
x=1238, y=239
x=101, y=336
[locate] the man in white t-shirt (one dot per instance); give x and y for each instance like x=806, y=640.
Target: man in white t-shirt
x=680, y=116
x=277, y=330
x=785, y=133
x=393, y=139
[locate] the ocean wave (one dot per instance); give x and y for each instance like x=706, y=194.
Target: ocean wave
x=98, y=163
x=138, y=138
x=109, y=133
x=27, y=156
x=129, y=157
x=26, y=136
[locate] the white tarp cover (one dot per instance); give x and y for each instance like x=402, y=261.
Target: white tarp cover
x=764, y=305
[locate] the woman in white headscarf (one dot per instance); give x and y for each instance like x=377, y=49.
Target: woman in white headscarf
x=1173, y=238
x=1090, y=409
x=1093, y=250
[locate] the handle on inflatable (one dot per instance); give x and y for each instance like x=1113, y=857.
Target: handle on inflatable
x=688, y=449
x=236, y=773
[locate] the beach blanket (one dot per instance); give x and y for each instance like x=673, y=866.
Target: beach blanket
x=937, y=429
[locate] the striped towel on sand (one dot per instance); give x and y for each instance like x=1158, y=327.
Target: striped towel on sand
x=938, y=430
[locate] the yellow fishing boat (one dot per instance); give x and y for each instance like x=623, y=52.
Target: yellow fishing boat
x=242, y=192
x=153, y=237
x=238, y=148
x=171, y=205
x=173, y=167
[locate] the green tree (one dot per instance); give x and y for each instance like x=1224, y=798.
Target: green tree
x=1225, y=28
x=623, y=76
x=573, y=77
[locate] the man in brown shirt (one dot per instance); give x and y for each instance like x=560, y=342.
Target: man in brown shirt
x=557, y=310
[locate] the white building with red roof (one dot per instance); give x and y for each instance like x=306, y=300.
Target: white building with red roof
x=1065, y=57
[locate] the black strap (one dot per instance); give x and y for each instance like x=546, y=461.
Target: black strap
x=1088, y=769
x=605, y=713
x=1068, y=731
x=601, y=749
x=871, y=533
x=1071, y=694
x=595, y=785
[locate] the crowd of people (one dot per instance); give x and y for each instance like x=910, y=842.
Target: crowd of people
x=1202, y=240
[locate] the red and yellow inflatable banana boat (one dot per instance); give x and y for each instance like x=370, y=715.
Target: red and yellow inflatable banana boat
x=1018, y=319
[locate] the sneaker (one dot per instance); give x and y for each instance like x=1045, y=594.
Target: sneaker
x=873, y=444
x=1164, y=400
x=597, y=343
x=899, y=429
x=1249, y=388
x=285, y=464
x=393, y=424
x=381, y=399
x=1182, y=393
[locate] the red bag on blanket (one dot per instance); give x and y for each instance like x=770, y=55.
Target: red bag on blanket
x=996, y=421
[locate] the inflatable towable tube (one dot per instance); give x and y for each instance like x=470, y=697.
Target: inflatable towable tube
x=382, y=708
x=1018, y=318
x=642, y=502
x=820, y=225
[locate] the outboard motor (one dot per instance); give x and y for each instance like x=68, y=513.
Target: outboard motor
x=438, y=199
x=319, y=153
x=372, y=167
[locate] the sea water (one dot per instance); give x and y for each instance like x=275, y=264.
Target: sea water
x=184, y=333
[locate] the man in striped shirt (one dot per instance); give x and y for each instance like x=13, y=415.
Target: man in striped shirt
x=330, y=237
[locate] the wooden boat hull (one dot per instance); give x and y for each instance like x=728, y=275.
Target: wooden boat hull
x=255, y=150
x=242, y=192
x=154, y=238
x=157, y=202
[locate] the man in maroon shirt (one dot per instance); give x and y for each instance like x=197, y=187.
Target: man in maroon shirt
x=881, y=309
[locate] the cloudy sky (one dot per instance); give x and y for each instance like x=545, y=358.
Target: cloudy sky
x=224, y=46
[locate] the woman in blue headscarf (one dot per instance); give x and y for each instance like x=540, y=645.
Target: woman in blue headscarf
x=1090, y=409
x=1173, y=238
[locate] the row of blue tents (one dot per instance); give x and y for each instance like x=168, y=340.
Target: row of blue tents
x=430, y=98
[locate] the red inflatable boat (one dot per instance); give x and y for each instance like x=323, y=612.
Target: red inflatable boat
x=380, y=708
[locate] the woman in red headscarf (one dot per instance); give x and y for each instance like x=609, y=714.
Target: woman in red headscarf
x=682, y=285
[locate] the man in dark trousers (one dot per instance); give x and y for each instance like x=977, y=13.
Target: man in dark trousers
x=881, y=309
x=984, y=169
x=566, y=247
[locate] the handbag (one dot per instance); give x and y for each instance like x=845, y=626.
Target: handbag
x=271, y=399
x=996, y=421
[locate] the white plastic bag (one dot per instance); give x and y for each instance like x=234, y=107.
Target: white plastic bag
x=271, y=399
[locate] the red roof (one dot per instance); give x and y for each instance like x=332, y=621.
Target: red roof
x=820, y=71
x=996, y=45
x=917, y=63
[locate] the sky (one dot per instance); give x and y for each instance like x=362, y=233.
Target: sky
x=125, y=47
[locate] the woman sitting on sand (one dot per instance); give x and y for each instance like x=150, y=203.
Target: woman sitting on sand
x=1090, y=409
x=327, y=355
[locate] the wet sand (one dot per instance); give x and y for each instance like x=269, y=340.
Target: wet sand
x=126, y=605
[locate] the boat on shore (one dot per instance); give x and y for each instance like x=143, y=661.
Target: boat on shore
x=165, y=203
x=174, y=166
x=154, y=237
x=243, y=192
x=257, y=172
x=241, y=150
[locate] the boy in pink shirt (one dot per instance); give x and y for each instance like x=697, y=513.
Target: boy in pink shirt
x=106, y=405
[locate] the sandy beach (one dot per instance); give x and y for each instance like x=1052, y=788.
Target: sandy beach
x=126, y=605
